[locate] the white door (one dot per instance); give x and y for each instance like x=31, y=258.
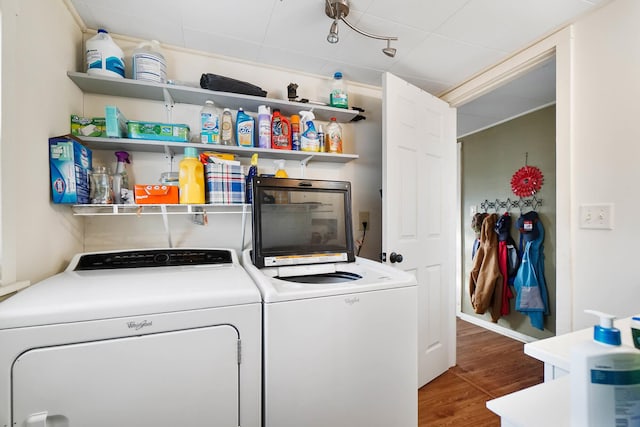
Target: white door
x=419, y=210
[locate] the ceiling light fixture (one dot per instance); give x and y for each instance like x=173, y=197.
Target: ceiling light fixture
x=338, y=10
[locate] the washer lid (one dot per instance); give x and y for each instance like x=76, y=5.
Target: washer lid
x=74, y=296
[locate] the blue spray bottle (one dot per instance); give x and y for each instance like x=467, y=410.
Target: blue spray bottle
x=253, y=172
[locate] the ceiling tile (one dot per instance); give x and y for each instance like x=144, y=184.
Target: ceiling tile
x=426, y=15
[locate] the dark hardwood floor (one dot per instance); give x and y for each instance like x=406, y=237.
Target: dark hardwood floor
x=489, y=365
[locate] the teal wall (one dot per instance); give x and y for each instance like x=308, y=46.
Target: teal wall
x=489, y=160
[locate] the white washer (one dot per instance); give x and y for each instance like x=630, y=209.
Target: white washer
x=167, y=337
x=338, y=352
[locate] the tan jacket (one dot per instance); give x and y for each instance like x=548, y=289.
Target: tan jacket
x=485, y=281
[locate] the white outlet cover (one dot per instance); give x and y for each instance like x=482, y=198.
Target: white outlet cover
x=597, y=216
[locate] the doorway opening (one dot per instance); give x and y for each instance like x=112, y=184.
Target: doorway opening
x=499, y=133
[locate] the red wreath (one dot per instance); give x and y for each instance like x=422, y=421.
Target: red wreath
x=527, y=181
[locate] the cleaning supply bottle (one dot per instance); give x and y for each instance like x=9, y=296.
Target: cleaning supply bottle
x=226, y=133
x=120, y=180
x=280, y=131
x=253, y=172
x=264, y=127
x=209, y=124
x=321, y=142
x=244, y=129
x=334, y=137
x=191, y=178
x=282, y=197
x=338, y=95
x=309, y=139
x=104, y=57
x=605, y=379
x=148, y=62
x=295, y=132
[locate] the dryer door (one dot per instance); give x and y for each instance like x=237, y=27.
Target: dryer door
x=181, y=378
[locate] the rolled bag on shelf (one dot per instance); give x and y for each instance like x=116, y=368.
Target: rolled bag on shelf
x=227, y=84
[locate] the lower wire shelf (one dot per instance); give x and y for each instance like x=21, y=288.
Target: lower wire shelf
x=112, y=209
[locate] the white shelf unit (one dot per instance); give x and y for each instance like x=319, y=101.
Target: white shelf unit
x=171, y=94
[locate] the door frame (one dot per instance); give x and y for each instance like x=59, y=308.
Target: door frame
x=559, y=44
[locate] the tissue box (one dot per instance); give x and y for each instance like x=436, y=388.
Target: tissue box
x=116, y=122
x=69, y=167
x=158, y=131
x=224, y=183
x=88, y=126
x=154, y=194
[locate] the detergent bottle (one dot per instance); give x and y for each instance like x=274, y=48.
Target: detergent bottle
x=264, y=127
x=338, y=96
x=280, y=131
x=226, y=132
x=282, y=197
x=244, y=129
x=309, y=139
x=334, y=137
x=209, y=124
x=120, y=180
x=191, y=178
x=605, y=379
x=253, y=172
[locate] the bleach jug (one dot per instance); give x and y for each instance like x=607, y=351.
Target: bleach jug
x=104, y=57
x=148, y=63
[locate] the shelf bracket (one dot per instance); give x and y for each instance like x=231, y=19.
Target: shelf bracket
x=168, y=104
x=303, y=165
x=165, y=220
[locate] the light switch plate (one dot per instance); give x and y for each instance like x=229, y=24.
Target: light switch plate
x=597, y=216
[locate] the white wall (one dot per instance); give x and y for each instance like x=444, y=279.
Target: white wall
x=40, y=41
x=605, y=159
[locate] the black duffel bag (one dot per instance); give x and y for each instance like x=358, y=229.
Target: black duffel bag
x=227, y=84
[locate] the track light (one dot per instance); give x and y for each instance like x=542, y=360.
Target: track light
x=389, y=51
x=333, y=33
x=338, y=10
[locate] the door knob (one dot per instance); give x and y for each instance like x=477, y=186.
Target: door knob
x=394, y=257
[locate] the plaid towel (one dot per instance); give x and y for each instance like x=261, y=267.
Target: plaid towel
x=224, y=183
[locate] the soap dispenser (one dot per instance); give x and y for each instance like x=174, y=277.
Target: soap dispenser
x=605, y=378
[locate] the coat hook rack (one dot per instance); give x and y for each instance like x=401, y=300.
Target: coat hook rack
x=499, y=205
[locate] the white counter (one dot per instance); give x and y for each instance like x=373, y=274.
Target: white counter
x=555, y=352
x=549, y=403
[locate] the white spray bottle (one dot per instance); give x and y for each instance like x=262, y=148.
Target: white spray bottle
x=605, y=378
x=309, y=140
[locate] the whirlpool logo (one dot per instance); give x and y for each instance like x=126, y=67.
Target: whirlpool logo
x=351, y=301
x=139, y=325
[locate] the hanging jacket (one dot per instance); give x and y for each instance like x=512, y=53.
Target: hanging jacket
x=485, y=281
x=530, y=285
x=476, y=226
x=503, y=228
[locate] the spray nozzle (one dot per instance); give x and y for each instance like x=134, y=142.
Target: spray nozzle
x=122, y=156
x=605, y=332
x=254, y=159
x=307, y=116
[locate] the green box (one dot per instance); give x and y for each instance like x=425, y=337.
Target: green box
x=88, y=126
x=158, y=131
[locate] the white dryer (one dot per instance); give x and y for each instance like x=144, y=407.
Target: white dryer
x=167, y=337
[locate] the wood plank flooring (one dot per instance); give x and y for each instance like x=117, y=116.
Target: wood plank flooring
x=489, y=365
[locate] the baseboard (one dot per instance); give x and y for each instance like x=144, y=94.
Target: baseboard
x=494, y=327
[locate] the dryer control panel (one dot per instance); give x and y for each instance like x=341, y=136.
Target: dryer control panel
x=152, y=258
